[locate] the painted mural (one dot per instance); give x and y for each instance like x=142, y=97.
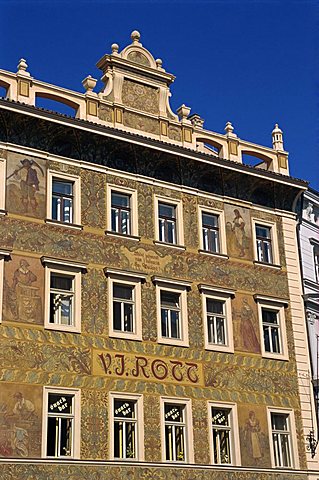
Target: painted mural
x=23, y=290
x=20, y=421
x=26, y=183
x=246, y=324
x=253, y=432
x=238, y=231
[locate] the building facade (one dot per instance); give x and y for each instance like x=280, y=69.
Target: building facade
x=151, y=313
x=309, y=253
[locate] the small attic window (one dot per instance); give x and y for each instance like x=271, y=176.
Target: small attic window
x=138, y=57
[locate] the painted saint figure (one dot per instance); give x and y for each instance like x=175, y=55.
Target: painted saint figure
x=29, y=183
x=23, y=408
x=252, y=437
x=238, y=227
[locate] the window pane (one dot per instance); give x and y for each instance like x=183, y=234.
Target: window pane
x=61, y=282
x=179, y=439
x=170, y=232
x=60, y=403
x=220, y=416
x=124, y=408
x=115, y=219
x=66, y=436
x=167, y=211
x=123, y=291
x=56, y=202
x=279, y=422
x=220, y=331
x=125, y=222
x=214, y=306
x=175, y=330
x=267, y=339
x=262, y=232
x=170, y=299
x=174, y=413
x=117, y=324
x=270, y=316
x=66, y=310
x=61, y=187
x=164, y=322
x=128, y=317
x=120, y=200
x=52, y=439
x=210, y=220
x=67, y=210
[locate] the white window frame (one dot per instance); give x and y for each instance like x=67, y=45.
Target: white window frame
x=221, y=229
x=189, y=450
x=4, y=254
x=278, y=306
x=234, y=432
x=133, y=210
x=292, y=436
x=63, y=267
x=76, y=440
x=76, y=215
x=174, y=286
x=221, y=295
x=274, y=241
x=139, y=422
x=178, y=204
x=132, y=279
x=315, y=246
x=2, y=186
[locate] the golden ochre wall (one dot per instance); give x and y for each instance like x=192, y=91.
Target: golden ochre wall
x=31, y=357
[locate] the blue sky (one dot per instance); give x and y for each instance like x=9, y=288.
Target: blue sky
x=253, y=63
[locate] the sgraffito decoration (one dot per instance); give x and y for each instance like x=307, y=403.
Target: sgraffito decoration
x=26, y=185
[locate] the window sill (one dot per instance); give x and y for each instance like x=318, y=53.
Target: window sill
x=213, y=254
x=126, y=336
x=110, y=233
x=173, y=342
x=268, y=265
x=61, y=328
x=219, y=348
x=172, y=245
x=273, y=356
x=63, y=224
x=3, y=212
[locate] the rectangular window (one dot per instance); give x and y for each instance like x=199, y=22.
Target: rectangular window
x=61, y=423
x=171, y=303
x=170, y=314
x=210, y=232
x=62, y=201
x=167, y=223
x=264, y=244
x=216, y=322
x=221, y=435
x=4, y=254
x=271, y=330
x=217, y=318
x=224, y=436
x=62, y=294
x=123, y=308
x=61, y=299
x=281, y=439
x=125, y=428
x=121, y=213
x=316, y=261
x=125, y=313
x=126, y=425
x=175, y=432
x=271, y=313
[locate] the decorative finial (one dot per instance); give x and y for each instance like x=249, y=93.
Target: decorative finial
x=197, y=120
x=159, y=62
x=229, y=129
x=89, y=83
x=22, y=67
x=135, y=36
x=115, y=48
x=277, y=138
x=183, y=111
